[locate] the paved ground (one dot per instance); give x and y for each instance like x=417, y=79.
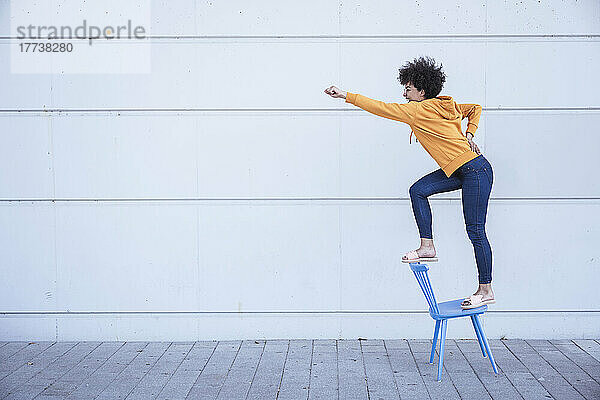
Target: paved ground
x=298, y=369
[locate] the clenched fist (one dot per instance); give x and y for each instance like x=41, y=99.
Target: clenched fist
x=335, y=92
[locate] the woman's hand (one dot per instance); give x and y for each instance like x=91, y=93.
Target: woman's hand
x=335, y=92
x=472, y=143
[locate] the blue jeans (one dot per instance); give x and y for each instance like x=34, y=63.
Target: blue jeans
x=475, y=178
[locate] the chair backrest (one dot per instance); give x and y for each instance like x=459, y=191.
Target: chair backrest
x=420, y=271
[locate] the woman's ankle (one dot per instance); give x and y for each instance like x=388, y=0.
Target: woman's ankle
x=427, y=243
x=485, y=289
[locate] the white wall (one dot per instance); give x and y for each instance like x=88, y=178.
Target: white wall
x=156, y=207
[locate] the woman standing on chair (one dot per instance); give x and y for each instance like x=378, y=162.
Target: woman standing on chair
x=436, y=123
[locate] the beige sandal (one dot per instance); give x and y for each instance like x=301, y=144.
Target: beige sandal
x=476, y=300
x=413, y=257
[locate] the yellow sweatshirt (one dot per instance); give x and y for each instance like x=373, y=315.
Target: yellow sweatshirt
x=435, y=122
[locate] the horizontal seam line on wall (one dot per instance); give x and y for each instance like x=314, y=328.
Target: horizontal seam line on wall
x=338, y=36
x=337, y=109
x=288, y=199
x=276, y=312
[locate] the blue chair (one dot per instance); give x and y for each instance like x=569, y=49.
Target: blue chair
x=442, y=312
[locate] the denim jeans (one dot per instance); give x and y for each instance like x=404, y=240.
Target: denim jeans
x=475, y=178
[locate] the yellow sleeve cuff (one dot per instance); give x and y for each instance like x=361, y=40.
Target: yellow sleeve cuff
x=350, y=97
x=471, y=128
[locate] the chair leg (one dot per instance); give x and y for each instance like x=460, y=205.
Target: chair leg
x=485, y=342
x=435, y=338
x=442, y=346
x=478, y=336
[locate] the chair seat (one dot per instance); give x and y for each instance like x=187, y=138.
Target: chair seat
x=452, y=309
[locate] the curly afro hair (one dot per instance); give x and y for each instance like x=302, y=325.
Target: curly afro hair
x=424, y=75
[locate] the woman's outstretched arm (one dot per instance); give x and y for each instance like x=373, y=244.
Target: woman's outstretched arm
x=398, y=112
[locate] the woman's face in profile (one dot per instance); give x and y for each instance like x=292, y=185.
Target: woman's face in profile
x=412, y=94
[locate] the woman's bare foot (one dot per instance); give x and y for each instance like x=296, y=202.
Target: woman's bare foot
x=427, y=249
x=484, y=290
